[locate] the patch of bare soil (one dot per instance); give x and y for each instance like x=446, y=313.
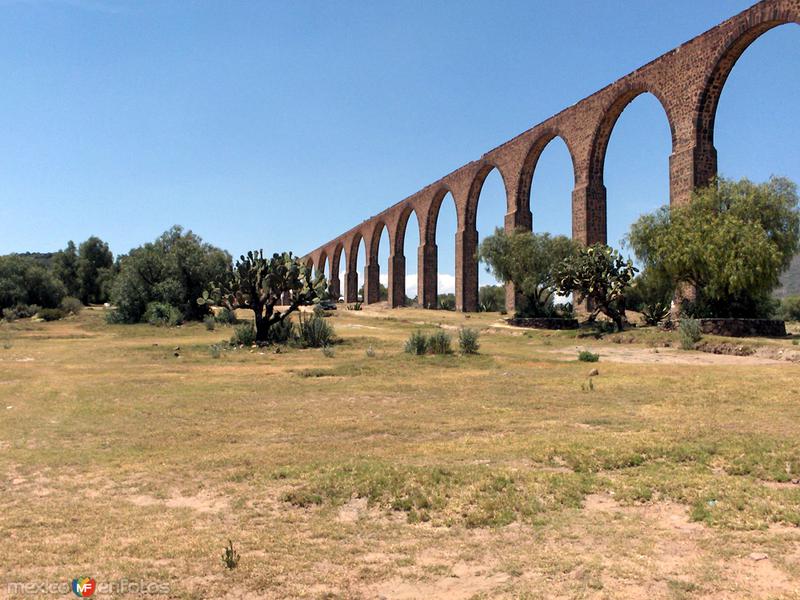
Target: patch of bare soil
x=203, y=502
x=667, y=356
x=462, y=582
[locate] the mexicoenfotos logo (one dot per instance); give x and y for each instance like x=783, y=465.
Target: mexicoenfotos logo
x=84, y=586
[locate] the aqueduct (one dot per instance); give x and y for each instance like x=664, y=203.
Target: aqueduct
x=687, y=81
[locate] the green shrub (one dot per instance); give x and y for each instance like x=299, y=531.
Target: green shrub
x=790, y=309
x=281, y=332
x=417, y=343
x=690, y=333
x=51, y=314
x=447, y=301
x=210, y=322
x=71, y=305
x=318, y=311
x=215, y=350
x=654, y=313
x=370, y=352
x=314, y=332
x=354, y=306
x=244, y=335
x=468, y=341
x=328, y=352
x=20, y=311
x=586, y=356
x=161, y=314
x=439, y=343
x=225, y=316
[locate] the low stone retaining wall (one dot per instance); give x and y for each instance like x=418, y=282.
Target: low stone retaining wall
x=544, y=323
x=744, y=327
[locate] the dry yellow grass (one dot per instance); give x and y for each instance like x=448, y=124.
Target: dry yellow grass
x=394, y=475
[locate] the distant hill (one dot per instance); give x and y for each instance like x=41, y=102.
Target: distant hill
x=790, y=281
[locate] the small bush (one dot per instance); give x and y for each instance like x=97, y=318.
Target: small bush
x=468, y=341
x=209, y=322
x=161, y=314
x=654, y=313
x=417, y=343
x=318, y=311
x=354, y=306
x=71, y=306
x=328, y=352
x=51, y=314
x=215, y=350
x=370, y=352
x=314, y=332
x=690, y=333
x=439, y=343
x=244, y=335
x=586, y=356
x=116, y=317
x=280, y=332
x=225, y=316
x=20, y=311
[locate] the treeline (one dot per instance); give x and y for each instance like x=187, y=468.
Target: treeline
x=159, y=280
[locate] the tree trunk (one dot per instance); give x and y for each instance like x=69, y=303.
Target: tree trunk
x=262, y=325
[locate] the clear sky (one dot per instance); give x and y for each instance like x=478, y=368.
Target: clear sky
x=282, y=124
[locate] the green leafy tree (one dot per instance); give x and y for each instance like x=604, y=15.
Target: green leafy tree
x=730, y=244
x=491, y=298
x=599, y=275
x=527, y=260
x=65, y=267
x=175, y=269
x=24, y=281
x=94, y=269
x=259, y=284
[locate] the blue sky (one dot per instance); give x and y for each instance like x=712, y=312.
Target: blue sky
x=282, y=124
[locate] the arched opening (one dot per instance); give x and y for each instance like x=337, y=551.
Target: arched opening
x=636, y=166
x=491, y=209
x=755, y=130
x=410, y=243
x=551, y=189
x=383, y=251
x=361, y=268
x=322, y=265
x=444, y=220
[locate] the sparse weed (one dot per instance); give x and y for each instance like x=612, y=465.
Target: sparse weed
x=416, y=343
x=230, y=558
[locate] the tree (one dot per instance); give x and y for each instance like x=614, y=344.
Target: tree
x=600, y=275
x=65, y=267
x=259, y=284
x=94, y=266
x=492, y=298
x=174, y=270
x=527, y=259
x=730, y=244
x=24, y=281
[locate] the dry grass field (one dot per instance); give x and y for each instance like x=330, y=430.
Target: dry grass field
x=380, y=474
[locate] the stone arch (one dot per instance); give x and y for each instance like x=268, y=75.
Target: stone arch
x=432, y=214
x=373, y=246
x=609, y=119
x=532, y=159
x=399, y=234
x=706, y=110
x=321, y=263
x=470, y=217
x=336, y=259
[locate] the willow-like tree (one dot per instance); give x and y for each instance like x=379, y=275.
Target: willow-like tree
x=262, y=284
x=730, y=244
x=527, y=260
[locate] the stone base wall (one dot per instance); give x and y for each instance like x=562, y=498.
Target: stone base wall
x=744, y=327
x=544, y=323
